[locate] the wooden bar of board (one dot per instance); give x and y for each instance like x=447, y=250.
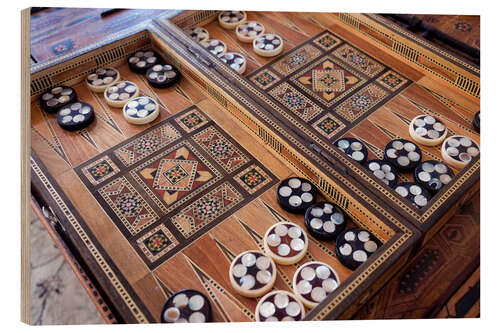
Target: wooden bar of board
x=246, y=114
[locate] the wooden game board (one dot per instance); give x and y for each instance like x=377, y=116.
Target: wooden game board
x=139, y=258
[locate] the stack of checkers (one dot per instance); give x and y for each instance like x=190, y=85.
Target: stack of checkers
x=459, y=150
x=268, y=45
x=324, y=220
x=252, y=273
x=214, y=46
x=279, y=305
x=384, y=171
x=230, y=19
x=234, y=60
x=162, y=75
x=353, y=148
x=286, y=243
x=198, y=34
x=295, y=194
x=403, y=154
x=102, y=78
x=433, y=175
x=119, y=93
x=354, y=246
x=248, y=31
x=313, y=282
x=187, y=306
x=428, y=130
x=141, y=110
x=414, y=192
x=55, y=98
x=75, y=116
x=141, y=61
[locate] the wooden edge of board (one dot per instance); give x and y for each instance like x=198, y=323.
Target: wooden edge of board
x=86, y=282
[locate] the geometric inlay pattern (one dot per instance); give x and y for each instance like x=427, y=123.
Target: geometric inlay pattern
x=100, y=170
x=328, y=125
x=147, y=144
x=176, y=175
x=206, y=209
x=392, y=80
x=191, y=120
x=358, y=60
x=128, y=205
x=327, y=81
x=183, y=168
x=361, y=102
x=220, y=149
x=296, y=59
x=265, y=79
x=252, y=178
x=157, y=242
x=326, y=41
x=295, y=101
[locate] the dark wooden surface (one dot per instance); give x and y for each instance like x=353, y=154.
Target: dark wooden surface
x=58, y=31
x=442, y=279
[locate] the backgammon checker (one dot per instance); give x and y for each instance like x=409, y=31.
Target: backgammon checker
x=313, y=282
x=403, y=154
x=279, y=305
x=102, y=78
x=75, y=116
x=353, y=148
x=234, y=60
x=477, y=122
x=354, y=246
x=384, y=171
x=459, y=150
x=230, y=19
x=414, y=192
x=428, y=130
x=296, y=194
x=198, y=34
x=141, y=61
x=55, y=98
x=248, y=31
x=141, y=110
x=119, y=93
x=324, y=220
x=433, y=175
x=214, y=46
x=268, y=45
x=252, y=273
x=163, y=75
x=286, y=243
x=187, y=306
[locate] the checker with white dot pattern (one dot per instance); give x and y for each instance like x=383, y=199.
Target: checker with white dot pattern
x=279, y=305
x=325, y=220
x=459, y=150
x=252, y=273
x=187, y=306
x=55, y=98
x=313, y=282
x=295, y=194
x=414, y=192
x=355, y=246
x=428, y=130
x=353, y=148
x=141, y=110
x=403, y=154
x=286, y=243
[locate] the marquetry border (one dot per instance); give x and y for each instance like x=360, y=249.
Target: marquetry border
x=413, y=54
x=92, y=248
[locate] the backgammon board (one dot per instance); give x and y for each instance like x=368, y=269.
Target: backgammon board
x=153, y=209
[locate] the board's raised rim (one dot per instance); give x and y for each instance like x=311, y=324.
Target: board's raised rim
x=102, y=267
